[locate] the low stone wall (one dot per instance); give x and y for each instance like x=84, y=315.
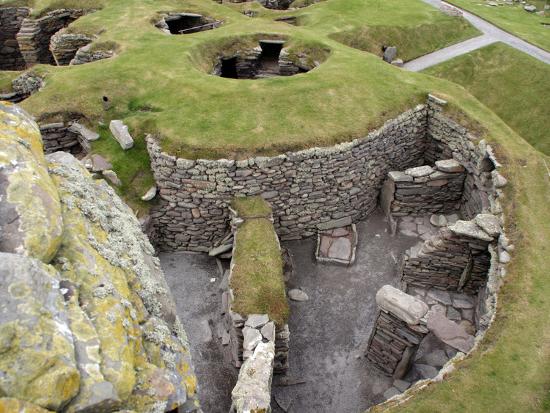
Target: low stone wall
x=239, y=326
x=11, y=19
x=424, y=190
x=34, y=36
x=456, y=259
x=314, y=189
x=86, y=54
x=398, y=330
x=65, y=45
x=60, y=137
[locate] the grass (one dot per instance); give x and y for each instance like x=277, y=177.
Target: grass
x=411, y=42
x=513, y=19
x=199, y=115
x=513, y=84
x=257, y=272
x=5, y=80
x=509, y=372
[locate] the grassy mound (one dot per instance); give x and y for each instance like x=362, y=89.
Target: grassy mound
x=511, y=83
x=513, y=19
x=257, y=274
x=411, y=42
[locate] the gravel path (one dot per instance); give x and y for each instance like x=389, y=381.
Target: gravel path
x=491, y=34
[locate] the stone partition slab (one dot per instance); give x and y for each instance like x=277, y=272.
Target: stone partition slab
x=309, y=190
x=11, y=19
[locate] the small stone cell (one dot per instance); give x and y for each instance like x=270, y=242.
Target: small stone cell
x=186, y=23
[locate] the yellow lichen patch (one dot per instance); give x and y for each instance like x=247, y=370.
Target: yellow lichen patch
x=35, y=224
x=10, y=405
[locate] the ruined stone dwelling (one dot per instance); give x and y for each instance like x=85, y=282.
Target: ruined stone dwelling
x=87, y=321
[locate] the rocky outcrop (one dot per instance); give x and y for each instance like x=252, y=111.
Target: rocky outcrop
x=86, y=320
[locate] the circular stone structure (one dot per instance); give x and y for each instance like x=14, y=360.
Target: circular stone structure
x=265, y=57
x=186, y=23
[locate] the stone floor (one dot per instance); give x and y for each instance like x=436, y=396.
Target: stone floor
x=424, y=226
x=194, y=282
x=329, y=332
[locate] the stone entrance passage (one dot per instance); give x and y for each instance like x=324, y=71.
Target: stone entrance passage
x=269, y=58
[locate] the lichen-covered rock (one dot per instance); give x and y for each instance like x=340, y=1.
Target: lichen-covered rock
x=31, y=221
x=36, y=345
x=86, y=320
x=10, y=405
x=143, y=351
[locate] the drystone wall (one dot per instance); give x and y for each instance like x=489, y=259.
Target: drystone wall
x=87, y=54
x=60, y=137
x=65, y=45
x=242, y=339
x=455, y=259
x=86, y=318
x=34, y=36
x=11, y=19
x=424, y=190
x=319, y=188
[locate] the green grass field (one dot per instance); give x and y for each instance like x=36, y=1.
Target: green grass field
x=513, y=19
x=512, y=84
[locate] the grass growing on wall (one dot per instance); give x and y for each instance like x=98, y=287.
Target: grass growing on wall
x=512, y=84
x=257, y=272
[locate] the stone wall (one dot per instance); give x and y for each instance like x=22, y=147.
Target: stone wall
x=424, y=190
x=65, y=45
x=240, y=326
x=87, y=54
x=313, y=189
x=455, y=259
x=60, y=137
x=11, y=19
x=34, y=36
x=397, y=332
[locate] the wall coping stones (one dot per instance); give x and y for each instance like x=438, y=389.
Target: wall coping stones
x=402, y=305
x=419, y=171
x=470, y=229
x=449, y=165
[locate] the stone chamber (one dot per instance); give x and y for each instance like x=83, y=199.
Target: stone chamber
x=392, y=245
x=410, y=216
x=186, y=23
x=263, y=58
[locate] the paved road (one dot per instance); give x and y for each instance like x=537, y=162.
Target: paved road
x=491, y=34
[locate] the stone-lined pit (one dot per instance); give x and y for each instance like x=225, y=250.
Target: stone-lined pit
x=186, y=23
x=268, y=57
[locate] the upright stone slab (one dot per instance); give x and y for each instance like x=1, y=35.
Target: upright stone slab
x=121, y=134
x=398, y=330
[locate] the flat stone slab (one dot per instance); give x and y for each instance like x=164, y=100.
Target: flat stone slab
x=419, y=171
x=83, y=131
x=297, y=295
x=450, y=332
x=121, y=134
x=337, y=246
x=470, y=229
x=402, y=305
x=99, y=163
x=449, y=165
